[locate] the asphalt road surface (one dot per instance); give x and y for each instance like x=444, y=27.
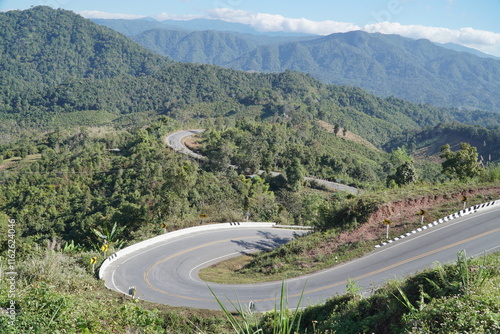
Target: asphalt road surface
x=167, y=273
x=175, y=140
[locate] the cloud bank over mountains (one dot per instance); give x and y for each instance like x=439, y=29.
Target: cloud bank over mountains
x=485, y=41
x=271, y=22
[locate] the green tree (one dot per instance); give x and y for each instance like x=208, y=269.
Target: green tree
x=399, y=156
x=295, y=175
x=336, y=129
x=463, y=163
x=405, y=174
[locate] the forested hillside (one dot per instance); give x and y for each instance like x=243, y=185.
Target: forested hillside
x=73, y=72
x=416, y=70
x=203, y=47
x=84, y=181
x=306, y=148
x=386, y=65
x=427, y=142
x=46, y=47
x=101, y=76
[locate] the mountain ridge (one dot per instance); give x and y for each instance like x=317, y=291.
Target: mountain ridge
x=32, y=49
x=386, y=65
x=415, y=70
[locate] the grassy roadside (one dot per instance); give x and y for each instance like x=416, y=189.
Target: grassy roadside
x=55, y=292
x=245, y=269
x=458, y=298
x=321, y=250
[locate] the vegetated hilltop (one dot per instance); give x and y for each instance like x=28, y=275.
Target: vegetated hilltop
x=43, y=46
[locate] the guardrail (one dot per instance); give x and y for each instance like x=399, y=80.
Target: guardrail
x=176, y=234
x=455, y=215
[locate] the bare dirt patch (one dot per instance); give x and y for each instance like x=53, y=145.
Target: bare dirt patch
x=348, y=135
x=192, y=142
x=404, y=217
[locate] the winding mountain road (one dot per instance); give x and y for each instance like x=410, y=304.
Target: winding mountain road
x=176, y=141
x=167, y=272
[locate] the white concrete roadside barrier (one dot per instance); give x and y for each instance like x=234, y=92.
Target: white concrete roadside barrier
x=176, y=234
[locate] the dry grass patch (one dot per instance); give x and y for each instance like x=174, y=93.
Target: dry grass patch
x=224, y=272
x=10, y=163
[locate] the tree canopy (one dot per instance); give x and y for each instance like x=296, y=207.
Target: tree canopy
x=463, y=163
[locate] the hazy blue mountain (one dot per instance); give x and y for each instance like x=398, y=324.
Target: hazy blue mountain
x=417, y=70
x=461, y=48
x=208, y=47
x=135, y=27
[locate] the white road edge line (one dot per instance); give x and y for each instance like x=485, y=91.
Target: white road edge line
x=216, y=260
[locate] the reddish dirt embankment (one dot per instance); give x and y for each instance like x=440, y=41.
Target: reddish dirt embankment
x=404, y=215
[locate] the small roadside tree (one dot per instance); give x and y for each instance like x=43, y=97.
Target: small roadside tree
x=405, y=174
x=463, y=163
x=295, y=175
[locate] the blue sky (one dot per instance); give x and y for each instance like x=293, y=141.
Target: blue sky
x=470, y=23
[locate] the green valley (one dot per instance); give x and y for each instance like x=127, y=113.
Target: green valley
x=84, y=112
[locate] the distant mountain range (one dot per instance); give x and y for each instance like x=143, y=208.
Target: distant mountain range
x=387, y=65
x=461, y=48
x=59, y=69
x=133, y=27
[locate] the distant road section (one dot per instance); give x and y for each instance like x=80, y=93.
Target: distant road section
x=175, y=140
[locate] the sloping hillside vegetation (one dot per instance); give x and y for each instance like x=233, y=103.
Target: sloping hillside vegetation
x=416, y=70
x=43, y=46
x=205, y=47
x=115, y=77
x=83, y=116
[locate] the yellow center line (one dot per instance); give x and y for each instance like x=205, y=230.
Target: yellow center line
x=146, y=273
x=151, y=267
x=403, y=262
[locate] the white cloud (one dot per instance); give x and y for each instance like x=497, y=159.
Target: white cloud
x=166, y=16
x=486, y=41
x=94, y=14
x=272, y=22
